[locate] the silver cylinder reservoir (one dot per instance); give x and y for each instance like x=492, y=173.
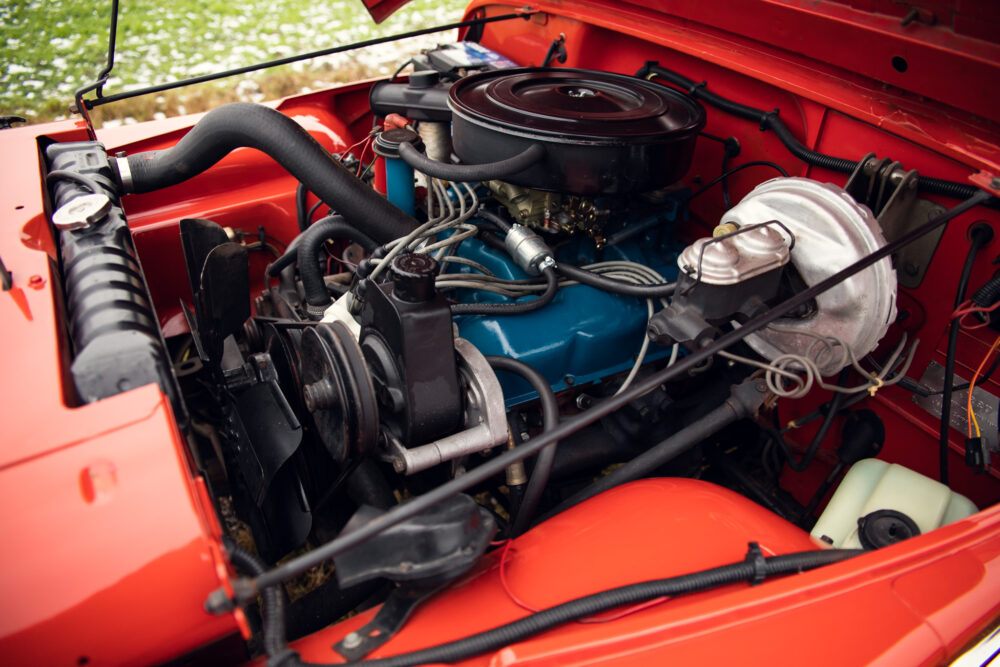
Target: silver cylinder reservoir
x=831, y=231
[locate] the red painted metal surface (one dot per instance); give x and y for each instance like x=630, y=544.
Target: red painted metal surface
x=830, y=110
x=112, y=544
x=914, y=603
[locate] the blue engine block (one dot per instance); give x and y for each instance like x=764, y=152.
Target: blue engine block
x=585, y=334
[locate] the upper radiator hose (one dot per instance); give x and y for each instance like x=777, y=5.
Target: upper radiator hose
x=242, y=124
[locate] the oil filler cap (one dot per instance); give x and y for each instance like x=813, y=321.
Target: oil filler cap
x=884, y=527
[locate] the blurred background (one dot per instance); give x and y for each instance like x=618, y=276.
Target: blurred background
x=49, y=48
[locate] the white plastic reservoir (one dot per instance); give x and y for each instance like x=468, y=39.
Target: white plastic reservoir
x=873, y=486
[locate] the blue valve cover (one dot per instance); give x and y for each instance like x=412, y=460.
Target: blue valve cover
x=585, y=334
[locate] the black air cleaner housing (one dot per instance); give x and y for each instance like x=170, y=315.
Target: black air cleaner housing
x=603, y=133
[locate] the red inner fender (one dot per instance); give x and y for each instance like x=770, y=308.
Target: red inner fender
x=650, y=529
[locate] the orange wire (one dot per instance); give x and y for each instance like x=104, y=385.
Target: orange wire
x=972, y=385
x=967, y=308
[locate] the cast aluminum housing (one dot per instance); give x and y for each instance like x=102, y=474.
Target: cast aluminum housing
x=831, y=231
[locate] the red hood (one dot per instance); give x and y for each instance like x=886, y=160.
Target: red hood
x=979, y=19
x=946, y=50
x=383, y=9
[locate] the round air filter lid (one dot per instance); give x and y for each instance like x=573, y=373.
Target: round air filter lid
x=575, y=105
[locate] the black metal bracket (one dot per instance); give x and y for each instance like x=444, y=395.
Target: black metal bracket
x=82, y=106
x=557, y=51
x=890, y=192
x=7, y=122
x=386, y=623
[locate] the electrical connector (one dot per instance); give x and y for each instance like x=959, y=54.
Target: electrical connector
x=977, y=456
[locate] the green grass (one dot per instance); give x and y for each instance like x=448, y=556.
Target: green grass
x=48, y=48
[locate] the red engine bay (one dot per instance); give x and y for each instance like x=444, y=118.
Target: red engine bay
x=233, y=431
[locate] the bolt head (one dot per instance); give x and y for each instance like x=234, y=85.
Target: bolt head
x=352, y=640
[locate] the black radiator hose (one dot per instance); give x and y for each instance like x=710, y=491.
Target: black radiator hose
x=245, y=125
x=313, y=239
x=754, y=569
x=466, y=173
x=769, y=120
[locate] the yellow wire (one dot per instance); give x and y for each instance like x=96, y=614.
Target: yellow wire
x=972, y=385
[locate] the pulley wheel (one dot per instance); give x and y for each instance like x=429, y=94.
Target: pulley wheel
x=337, y=390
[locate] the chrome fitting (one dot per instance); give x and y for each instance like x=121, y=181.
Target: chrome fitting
x=528, y=249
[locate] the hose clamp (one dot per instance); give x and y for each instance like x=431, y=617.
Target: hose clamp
x=124, y=174
x=755, y=558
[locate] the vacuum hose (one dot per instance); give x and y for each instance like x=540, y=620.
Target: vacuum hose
x=769, y=120
x=242, y=124
x=550, y=417
x=465, y=173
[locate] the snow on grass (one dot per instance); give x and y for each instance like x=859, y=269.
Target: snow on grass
x=48, y=49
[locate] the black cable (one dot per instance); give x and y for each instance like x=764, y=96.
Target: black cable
x=754, y=569
x=312, y=212
x=597, y=281
x=769, y=120
x=290, y=255
x=988, y=294
x=400, y=69
x=550, y=419
x=820, y=492
x=515, y=308
x=244, y=589
x=272, y=608
x=977, y=241
x=730, y=172
x=502, y=224
x=726, y=201
x=915, y=387
x=466, y=173
x=835, y=405
x=84, y=180
x=301, y=200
